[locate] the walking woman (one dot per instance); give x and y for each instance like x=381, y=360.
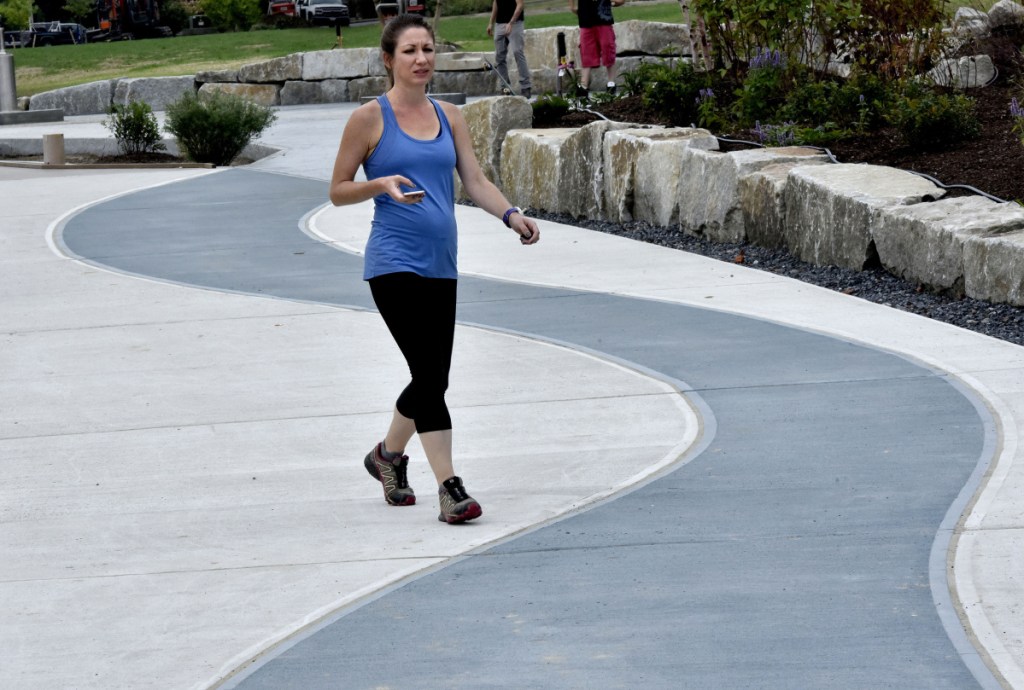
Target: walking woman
x=409, y=145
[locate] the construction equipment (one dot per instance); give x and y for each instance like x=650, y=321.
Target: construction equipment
x=128, y=19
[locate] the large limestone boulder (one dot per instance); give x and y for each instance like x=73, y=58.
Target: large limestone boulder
x=350, y=63
x=489, y=120
x=531, y=165
x=581, y=182
x=964, y=73
x=93, y=98
x=277, y=70
x=261, y=94
x=763, y=204
x=994, y=268
x=924, y=243
x=218, y=75
x=301, y=92
x=469, y=83
x=541, y=45
x=464, y=62
x=558, y=170
x=709, y=203
x=367, y=87
x=158, y=92
x=635, y=37
x=833, y=210
x=334, y=91
x=1005, y=13
x=642, y=172
x=969, y=22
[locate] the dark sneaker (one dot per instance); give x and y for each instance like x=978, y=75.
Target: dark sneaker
x=391, y=474
x=456, y=505
x=611, y=88
x=583, y=94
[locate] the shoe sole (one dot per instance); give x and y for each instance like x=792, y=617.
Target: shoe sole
x=471, y=512
x=371, y=467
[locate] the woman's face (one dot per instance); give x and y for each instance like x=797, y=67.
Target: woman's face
x=413, y=61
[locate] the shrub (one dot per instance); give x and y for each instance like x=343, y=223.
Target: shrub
x=135, y=128
x=672, y=91
x=216, y=128
x=928, y=119
x=235, y=15
x=548, y=109
x=764, y=88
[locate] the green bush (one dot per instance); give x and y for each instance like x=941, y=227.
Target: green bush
x=135, y=128
x=673, y=91
x=216, y=128
x=928, y=119
x=764, y=88
x=233, y=15
x=549, y=108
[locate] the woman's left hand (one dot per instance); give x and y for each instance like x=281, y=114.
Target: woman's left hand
x=525, y=227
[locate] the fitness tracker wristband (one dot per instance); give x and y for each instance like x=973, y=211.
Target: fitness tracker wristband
x=508, y=214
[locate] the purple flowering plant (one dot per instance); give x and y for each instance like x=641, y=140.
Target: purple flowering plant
x=1017, y=113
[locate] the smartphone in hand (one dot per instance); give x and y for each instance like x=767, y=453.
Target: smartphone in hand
x=415, y=195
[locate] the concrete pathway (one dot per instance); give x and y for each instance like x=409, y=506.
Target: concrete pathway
x=693, y=474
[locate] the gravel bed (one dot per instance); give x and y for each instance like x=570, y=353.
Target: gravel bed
x=875, y=285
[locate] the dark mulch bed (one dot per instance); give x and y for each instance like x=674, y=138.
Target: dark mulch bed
x=993, y=163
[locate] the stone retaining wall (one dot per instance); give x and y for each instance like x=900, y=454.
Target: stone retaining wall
x=853, y=216
x=348, y=75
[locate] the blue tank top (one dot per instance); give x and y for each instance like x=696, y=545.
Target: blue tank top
x=421, y=238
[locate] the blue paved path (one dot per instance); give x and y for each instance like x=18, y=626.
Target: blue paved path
x=795, y=551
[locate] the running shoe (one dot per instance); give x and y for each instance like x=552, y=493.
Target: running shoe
x=456, y=505
x=392, y=474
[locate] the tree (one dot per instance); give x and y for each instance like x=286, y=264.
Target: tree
x=82, y=11
x=15, y=14
x=237, y=15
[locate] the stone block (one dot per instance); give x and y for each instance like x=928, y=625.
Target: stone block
x=350, y=63
x=762, y=202
x=557, y=170
x=833, y=210
x=301, y=92
x=634, y=37
x=463, y=62
x=489, y=120
x=970, y=23
x=924, y=243
x=217, y=76
x=334, y=91
x=158, y=92
x=964, y=73
x=541, y=45
x=709, y=202
x=367, y=87
x=994, y=268
x=641, y=171
x=469, y=83
x=1005, y=13
x=261, y=94
x=277, y=70
x=93, y=98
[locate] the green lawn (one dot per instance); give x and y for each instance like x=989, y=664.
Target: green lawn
x=43, y=69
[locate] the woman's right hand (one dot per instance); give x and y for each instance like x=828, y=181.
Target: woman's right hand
x=392, y=186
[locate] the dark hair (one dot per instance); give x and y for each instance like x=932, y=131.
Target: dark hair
x=395, y=27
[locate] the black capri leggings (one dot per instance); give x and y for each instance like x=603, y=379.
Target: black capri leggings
x=420, y=313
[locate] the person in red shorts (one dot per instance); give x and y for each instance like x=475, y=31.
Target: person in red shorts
x=597, y=39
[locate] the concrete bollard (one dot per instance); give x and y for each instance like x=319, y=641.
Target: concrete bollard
x=8, y=90
x=53, y=149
